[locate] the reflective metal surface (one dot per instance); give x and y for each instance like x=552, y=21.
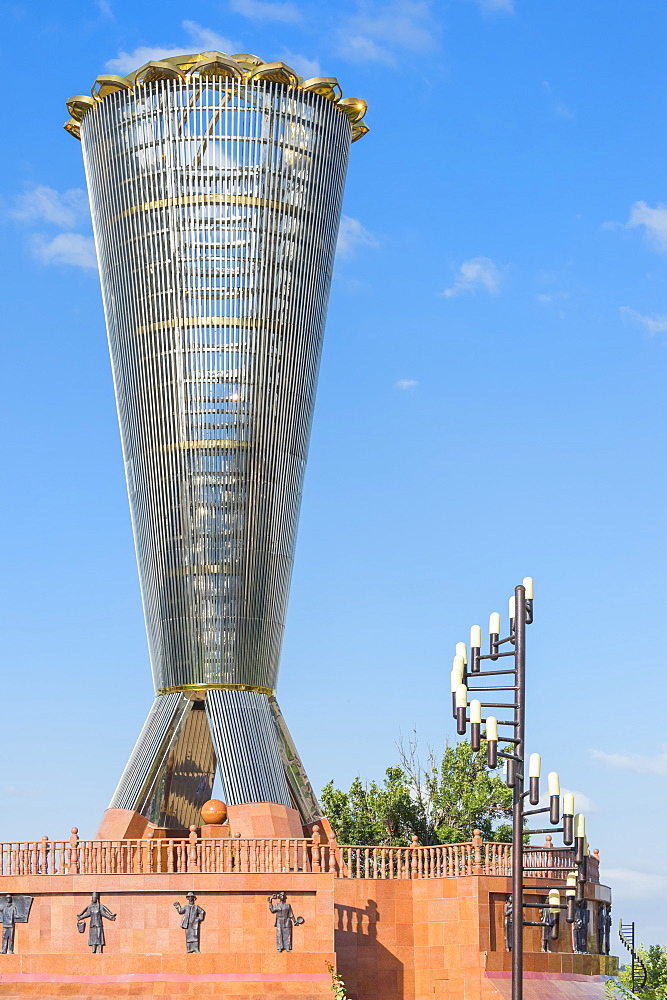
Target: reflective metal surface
x=215, y=207
x=212, y=65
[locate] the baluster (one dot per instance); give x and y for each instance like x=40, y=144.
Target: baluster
x=192, y=850
x=43, y=867
x=334, y=865
x=414, y=860
x=477, y=852
x=315, y=863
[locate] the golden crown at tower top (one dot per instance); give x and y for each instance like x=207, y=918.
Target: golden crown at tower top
x=211, y=66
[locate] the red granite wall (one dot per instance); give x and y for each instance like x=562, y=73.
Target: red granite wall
x=392, y=939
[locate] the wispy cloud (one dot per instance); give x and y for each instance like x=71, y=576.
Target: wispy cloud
x=306, y=67
x=496, y=6
x=374, y=34
x=260, y=10
x=105, y=9
x=475, y=274
x=654, y=324
x=559, y=107
x=45, y=204
x=656, y=764
x=546, y=299
x=635, y=885
x=582, y=803
x=66, y=248
x=352, y=235
x=198, y=38
x=44, y=207
x=21, y=791
x=407, y=383
x=654, y=221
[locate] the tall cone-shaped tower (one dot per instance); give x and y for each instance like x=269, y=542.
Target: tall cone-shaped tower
x=215, y=185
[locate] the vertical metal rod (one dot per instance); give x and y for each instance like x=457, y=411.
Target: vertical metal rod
x=633, y=956
x=517, y=805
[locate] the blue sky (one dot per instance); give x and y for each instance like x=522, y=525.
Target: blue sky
x=491, y=403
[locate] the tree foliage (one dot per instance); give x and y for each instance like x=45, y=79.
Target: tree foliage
x=442, y=803
x=655, y=959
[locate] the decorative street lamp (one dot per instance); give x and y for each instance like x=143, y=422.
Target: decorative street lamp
x=470, y=712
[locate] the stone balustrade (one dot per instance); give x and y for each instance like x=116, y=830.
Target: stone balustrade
x=237, y=855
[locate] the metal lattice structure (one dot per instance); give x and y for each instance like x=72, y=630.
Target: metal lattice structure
x=216, y=202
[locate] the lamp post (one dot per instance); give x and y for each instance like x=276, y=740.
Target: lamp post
x=470, y=712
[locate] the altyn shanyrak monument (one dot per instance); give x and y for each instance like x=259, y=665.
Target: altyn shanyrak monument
x=215, y=185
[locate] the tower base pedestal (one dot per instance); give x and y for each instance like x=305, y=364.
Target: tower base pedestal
x=394, y=938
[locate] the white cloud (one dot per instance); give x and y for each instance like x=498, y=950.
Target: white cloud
x=372, y=34
x=474, y=274
x=657, y=764
x=547, y=299
x=496, y=6
x=582, y=803
x=407, y=383
x=654, y=221
x=105, y=9
x=45, y=204
x=199, y=40
x=67, y=248
x=352, y=235
x=21, y=791
x=654, y=324
x=559, y=107
x=260, y=10
x=306, y=67
x=635, y=885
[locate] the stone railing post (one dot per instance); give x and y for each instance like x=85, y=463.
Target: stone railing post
x=43, y=868
x=193, y=865
x=477, y=852
x=315, y=856
x=334, y=865
x=414, y=860
x=73, y=867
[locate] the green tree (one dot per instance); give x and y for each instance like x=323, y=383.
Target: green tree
x=444, y=802
x=655, y=960
x=372, y=813
x=462, y=795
